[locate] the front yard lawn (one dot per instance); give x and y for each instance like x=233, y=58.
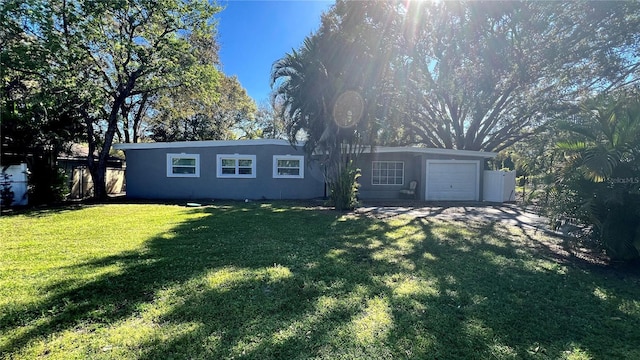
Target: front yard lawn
x=281, y=281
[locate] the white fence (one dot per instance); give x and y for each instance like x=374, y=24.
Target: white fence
x=19, y=183
x=499, y=186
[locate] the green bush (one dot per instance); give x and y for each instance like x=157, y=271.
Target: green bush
x=47, y=185
x=619, y=228
x=343, y=191
x=6, y=194
x=610, y=211
x=597, y=184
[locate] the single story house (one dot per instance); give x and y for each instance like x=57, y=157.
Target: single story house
x=276, y=169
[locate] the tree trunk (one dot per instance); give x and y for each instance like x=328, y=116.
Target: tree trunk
x=99, y=175
x=137, y=120
x=124, y=111
x=99, y=181
x=99, y=171
x=92, y=142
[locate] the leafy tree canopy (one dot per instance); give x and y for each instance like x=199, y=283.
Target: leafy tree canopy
x=115, y=57
x=465, y=75
x=185, y=115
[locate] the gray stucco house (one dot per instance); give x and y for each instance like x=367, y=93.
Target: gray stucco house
x=275, y=169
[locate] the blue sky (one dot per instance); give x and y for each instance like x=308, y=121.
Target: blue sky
x=253, y=34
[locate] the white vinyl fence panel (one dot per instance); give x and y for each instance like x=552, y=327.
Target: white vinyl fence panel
x=499, y=186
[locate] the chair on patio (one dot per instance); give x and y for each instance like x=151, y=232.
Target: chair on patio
x=410, y=192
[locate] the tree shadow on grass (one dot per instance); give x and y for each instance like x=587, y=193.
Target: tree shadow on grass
x=226, y=236
x=41, y=211
x=510, y=300
x=447, y=295
x=260, y=281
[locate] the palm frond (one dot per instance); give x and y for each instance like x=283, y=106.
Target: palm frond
x=598, y=163
x=579, y=129
x=575, y=146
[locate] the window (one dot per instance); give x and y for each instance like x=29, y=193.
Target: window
x=288, y=167
x=183, y=165
x=387, y=173
x=236, y=166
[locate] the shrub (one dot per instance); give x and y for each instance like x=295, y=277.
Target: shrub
x=6, y=194
x=47, y=185
x=343, y=190
x=598, y=185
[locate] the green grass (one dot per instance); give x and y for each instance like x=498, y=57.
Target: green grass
x=278, y=281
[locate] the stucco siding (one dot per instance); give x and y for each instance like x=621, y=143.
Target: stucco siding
x=369, y=190
x=160, y=171
x=147, y=175
x=414, y=169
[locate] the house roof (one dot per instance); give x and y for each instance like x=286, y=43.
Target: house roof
x=79, y=152
x=217, y=143
x=195, y=144
x=434, y=151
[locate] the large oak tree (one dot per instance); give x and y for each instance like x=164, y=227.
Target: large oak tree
x=482, y=75
x=477, y=75
x=117, y=56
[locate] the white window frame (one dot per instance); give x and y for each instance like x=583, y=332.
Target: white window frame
x=373, y=176
x=300, y=168
x=236, y=158
x=170, y=166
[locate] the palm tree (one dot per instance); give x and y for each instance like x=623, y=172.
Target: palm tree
x=302, y=91
x=306, y=84
x=599, y=178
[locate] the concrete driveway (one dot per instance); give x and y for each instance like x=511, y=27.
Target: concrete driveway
x=507, y=213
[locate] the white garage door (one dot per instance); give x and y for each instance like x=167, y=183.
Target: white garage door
x=452, y=180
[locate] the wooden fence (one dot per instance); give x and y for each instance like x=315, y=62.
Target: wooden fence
x=82, y=185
